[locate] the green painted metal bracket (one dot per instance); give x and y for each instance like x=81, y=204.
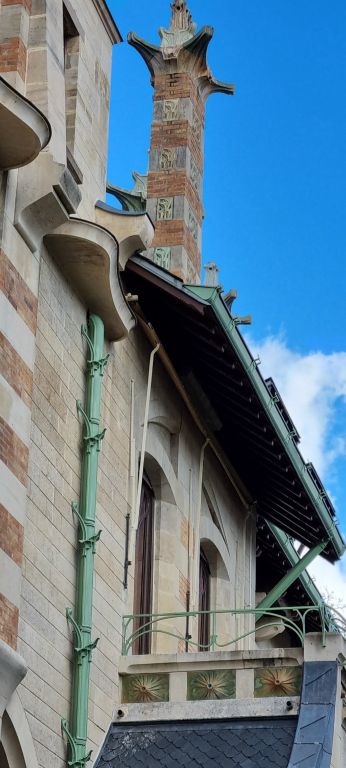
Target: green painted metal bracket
x=274, y=595
x=81, y=622
x=286, y=544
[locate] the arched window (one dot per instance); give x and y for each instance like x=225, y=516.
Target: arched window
x=204, y=603
x=143, y=584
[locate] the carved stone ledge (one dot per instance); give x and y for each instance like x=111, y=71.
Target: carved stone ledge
x=47, y=195
x=133, y=231
x=24, y=130
x=12, y=671
x=87, y=255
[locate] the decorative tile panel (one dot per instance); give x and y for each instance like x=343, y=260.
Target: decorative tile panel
x=162, y=257
x=195, y=177
x=212, y=685
x=170, y=109
x=196, y=126
x=167, y=159
x=193, y=227
x=164, y=208
x=278, y=681
x=144, y=689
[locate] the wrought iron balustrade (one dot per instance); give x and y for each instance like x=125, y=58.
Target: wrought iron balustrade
x=293, y=618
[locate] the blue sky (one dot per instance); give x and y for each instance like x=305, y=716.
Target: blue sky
x=274, y=189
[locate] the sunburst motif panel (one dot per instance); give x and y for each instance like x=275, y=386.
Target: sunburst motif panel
x=278, y=681
x=144, y=689
x=212, y=685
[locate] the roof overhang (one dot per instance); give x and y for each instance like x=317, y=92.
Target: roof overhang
x=200, y=336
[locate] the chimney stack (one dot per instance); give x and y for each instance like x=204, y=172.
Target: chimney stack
x=182, y=82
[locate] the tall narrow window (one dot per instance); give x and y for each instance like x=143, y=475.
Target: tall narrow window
x=204, y=603
x=144, y=570
x=71, y=61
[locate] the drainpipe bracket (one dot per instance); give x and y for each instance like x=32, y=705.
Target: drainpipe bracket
x=75, y=762
x=94, y=365
x=93, y=441
x=90, y=541
x=76, y=627
x=86, y=541
x=86, y=650
x=97, y=366
x=80, y=649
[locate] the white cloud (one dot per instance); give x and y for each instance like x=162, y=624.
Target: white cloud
x=311, y=386
x=331, y=581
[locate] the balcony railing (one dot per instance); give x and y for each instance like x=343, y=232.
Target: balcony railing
x=293, y=618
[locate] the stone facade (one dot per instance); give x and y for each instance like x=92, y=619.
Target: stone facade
x=56, y=267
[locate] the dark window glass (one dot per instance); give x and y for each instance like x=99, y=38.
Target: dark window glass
x=204, y=603
x=144, y=569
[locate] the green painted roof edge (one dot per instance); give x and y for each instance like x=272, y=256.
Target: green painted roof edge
x=212, y=296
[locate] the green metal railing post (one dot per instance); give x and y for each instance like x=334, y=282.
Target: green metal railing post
x=88, y=537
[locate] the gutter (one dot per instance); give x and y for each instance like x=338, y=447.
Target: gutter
x=77, y=732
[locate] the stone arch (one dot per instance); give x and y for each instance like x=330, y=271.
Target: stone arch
x=217, y=556
x=16, y=739
x=212, y=540
x=160, y=470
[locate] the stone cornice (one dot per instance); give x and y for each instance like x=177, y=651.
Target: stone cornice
x=108, y=21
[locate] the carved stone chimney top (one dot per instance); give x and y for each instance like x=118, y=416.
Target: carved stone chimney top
x=182, y=27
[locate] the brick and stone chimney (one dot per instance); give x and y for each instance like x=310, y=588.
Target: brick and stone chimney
x=182, y=82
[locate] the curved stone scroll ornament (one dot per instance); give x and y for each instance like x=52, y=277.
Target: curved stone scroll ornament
x=181, y=50
x=87, y=255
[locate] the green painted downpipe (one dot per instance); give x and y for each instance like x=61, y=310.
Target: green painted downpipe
x=290, y=577
x=77, y=731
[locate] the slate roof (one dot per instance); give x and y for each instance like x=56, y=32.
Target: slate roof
x=256, y=743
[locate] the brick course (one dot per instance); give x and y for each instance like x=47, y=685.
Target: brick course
x=13, y=452
x=175, y=232
x=15, y=371
x=13, y=55
x=25, y=3
x=17, y=292
x=8, y=622
x=178, y=85
x=174, y=183
x=11, y=536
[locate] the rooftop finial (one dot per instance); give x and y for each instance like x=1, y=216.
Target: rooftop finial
x=181, y=16
x=181, y=29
